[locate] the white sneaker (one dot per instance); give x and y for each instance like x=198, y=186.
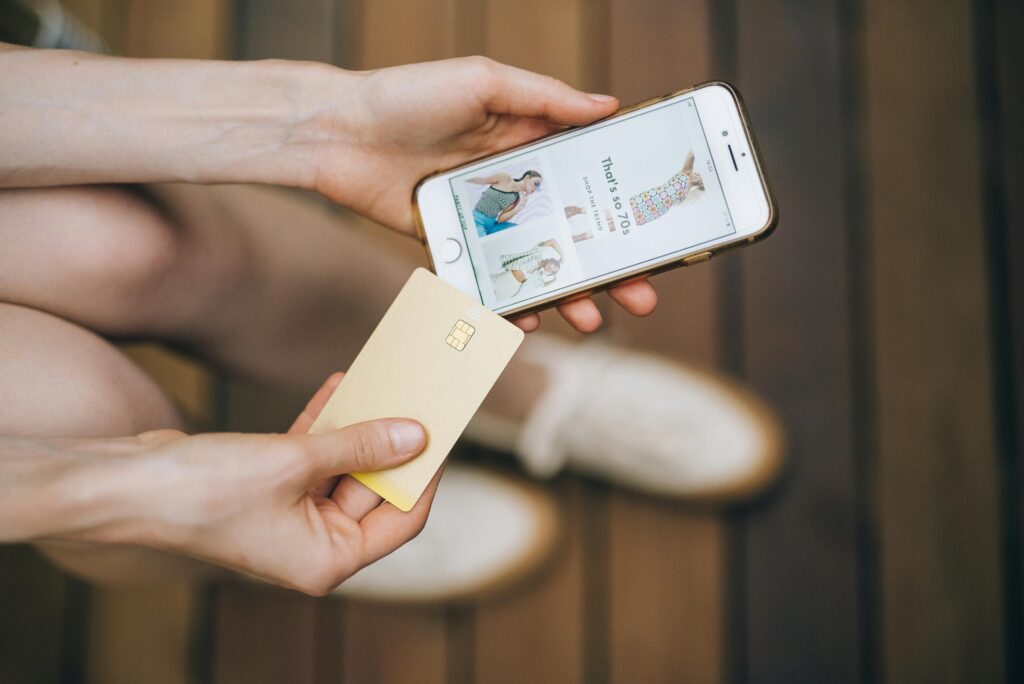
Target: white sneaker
x=641, y=422
x=485, y=532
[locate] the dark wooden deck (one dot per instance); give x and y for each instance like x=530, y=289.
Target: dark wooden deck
x=884, y=321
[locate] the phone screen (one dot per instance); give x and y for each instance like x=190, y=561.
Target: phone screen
x=616, y=197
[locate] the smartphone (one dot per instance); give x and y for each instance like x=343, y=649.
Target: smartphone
x=664, y=183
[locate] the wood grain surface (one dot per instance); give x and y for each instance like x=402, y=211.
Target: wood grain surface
x=883, y=322
x=937, y=474
x=801, y=613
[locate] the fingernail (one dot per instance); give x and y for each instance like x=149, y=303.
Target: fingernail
x=406, y=437
x=602, y=99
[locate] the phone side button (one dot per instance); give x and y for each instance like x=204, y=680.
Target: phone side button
x=696, y=258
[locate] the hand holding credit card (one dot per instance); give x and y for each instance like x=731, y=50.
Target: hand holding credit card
x=433, y=357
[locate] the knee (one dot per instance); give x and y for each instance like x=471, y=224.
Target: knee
x=109, y=244
x=60, y=380
x=124, y=247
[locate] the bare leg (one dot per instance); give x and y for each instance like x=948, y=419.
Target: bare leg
x=326, y=279
x=264, y=282
x=258, y=280
x=60, y=380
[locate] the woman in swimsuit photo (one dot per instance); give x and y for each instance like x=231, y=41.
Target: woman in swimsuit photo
x=504, y=198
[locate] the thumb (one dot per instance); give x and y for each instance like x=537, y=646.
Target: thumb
x=364, y=447
x=523, y=93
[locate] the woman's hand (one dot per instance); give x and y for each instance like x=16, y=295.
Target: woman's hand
x=266, y=505
x=387, y=129
x=392, y=127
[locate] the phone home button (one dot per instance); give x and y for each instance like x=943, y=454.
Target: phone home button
x=451, y=250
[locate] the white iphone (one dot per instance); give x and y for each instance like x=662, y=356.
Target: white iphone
x=664, y=183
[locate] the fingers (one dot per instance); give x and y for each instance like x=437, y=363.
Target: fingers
x=380, y=532
x=638, y=297
x=581, y=314
x=354, y=498
x=386, y=528
x=508, y=90
x=309, y=415
x=316, y=405
x=364, y=447
x=527, y=323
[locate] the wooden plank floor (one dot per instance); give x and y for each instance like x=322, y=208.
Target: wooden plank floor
x=938, y=476
x=1001, y=63
x=884, y=321
x=800, y=574
x=667, y=565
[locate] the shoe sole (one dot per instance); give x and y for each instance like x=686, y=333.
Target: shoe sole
x=755, y=484
x=519, y=570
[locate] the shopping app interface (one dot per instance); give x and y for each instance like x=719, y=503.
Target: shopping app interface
x=633, y=191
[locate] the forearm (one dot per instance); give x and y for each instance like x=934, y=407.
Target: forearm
x=70, y=118
x=63, y=489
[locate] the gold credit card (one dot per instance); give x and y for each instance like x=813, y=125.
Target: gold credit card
x=433, y=358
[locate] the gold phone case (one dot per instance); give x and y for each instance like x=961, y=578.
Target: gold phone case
x=433, y=358
x=698, y=255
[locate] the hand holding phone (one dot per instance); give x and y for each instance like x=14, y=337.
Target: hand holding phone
x=662, y=184
x=378, y=133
